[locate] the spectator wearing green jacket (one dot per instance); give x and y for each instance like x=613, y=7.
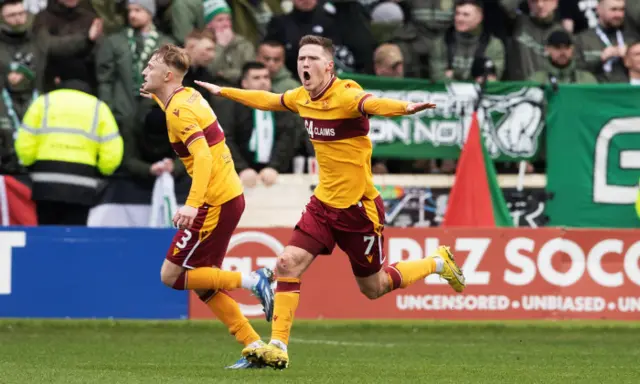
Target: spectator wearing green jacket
x=232, y=50
x=467, y=40
x=602, y=49
x=525, y=49
x=185, y=16
x=561, y=64
x=271, y=54
x=120, y=60
x=251, y=17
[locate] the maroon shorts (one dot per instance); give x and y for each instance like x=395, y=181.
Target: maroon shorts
x=357, y=230
x=205, y=243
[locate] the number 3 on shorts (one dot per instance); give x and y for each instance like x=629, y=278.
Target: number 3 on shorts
x=185, y=239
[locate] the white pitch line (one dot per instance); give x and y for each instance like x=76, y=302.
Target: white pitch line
x=341, y=343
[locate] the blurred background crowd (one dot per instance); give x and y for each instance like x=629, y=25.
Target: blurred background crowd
x=99, y=47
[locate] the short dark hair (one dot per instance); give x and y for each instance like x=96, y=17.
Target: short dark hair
x=272, y=43
x=10, y=2
x=325, y=43
x=477, y=3
x=250, y=65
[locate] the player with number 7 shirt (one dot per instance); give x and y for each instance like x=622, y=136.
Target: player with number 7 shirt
x=346, y=209
x=214, y=205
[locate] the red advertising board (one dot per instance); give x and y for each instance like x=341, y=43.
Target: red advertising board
x=549, y=273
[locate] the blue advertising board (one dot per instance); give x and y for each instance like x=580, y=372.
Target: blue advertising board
x=77, y=272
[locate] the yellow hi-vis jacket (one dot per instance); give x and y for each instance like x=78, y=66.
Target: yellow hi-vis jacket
x=68, y=139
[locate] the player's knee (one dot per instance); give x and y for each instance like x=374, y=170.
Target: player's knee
x=287, y=265
x=167, y=279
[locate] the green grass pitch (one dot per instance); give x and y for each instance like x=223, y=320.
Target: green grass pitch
x=96, y=351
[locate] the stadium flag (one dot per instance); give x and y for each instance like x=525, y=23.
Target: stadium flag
x=511, y=117
x=16, y=206
x=476, y=199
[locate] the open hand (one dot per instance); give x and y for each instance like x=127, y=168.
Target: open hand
x=224, y=36
x=145, y=94
x=183, y=219
x=96, y=29
x=417, y=107
x=212, y=88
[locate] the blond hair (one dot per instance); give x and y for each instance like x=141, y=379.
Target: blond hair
x=174, y=57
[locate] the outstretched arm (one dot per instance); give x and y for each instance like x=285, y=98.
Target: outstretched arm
x=389, y=107
x=266, y=101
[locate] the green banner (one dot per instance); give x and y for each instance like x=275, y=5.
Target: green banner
x=593, y=156
x=511, y=119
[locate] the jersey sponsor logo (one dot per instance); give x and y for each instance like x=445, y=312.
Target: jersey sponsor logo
x=318, y=131
x=176, y=112
x=193, y=97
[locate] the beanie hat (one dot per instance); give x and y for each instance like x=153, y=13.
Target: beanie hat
x=149, y=5
x=213, y=8
x=23, y=63
x=387, y=12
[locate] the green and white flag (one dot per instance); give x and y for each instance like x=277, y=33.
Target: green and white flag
x=511, y=117
x=593, y=155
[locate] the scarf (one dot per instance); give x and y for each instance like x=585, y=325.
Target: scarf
x=141, y=56
x=11, y=111
x=262, y=136
x=608, y=66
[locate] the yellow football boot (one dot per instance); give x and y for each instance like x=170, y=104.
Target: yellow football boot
x=269, y=355
x=451, y=272
x=251, y=354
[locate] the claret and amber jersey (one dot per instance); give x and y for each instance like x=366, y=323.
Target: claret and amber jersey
x=190, y=119
x=338, y=128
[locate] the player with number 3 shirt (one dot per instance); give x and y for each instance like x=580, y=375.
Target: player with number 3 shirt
x=214, y=205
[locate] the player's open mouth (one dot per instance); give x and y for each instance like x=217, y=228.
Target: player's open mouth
x=306, y=76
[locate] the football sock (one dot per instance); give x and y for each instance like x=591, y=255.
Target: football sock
x=227, y=310
x=249, y=281
x=285, y=304
x=405, y=273
x=208, y=278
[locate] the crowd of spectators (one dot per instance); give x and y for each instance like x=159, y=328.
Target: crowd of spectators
x=253, y=44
